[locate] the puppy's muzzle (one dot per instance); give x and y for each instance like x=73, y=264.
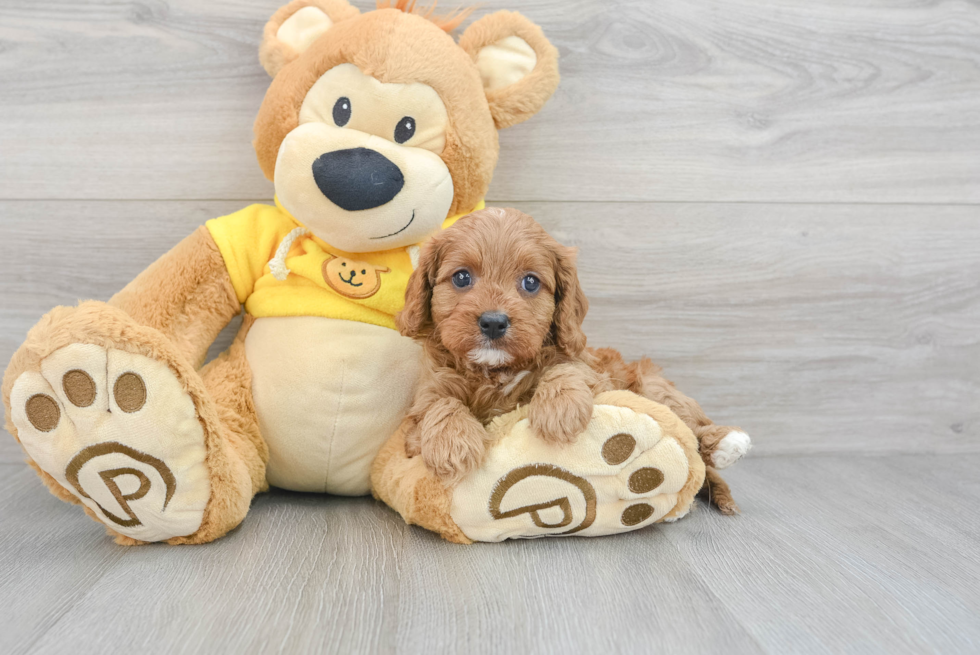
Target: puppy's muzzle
x=494, y=325
x=357, y=178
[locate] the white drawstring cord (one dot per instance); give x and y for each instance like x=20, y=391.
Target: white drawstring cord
x=277, y=265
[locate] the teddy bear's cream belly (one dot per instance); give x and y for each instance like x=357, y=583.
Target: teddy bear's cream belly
x=328, y=394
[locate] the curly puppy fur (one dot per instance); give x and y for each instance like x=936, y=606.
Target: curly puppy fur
x=541, y=360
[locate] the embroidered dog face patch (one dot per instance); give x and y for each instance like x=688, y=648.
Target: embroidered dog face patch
x=352, y=278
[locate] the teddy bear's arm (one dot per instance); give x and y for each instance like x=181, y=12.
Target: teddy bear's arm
x=186, y=294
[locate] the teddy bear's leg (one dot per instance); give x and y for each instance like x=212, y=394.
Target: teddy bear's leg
x=112, y=413
x=229, y=382
x=635, y=464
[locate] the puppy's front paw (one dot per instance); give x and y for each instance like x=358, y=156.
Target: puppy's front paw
x=452, y=444
x=452, y=456
x=560, y=413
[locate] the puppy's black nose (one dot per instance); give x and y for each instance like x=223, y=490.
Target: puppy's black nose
x=494, y=325
x=357, y=178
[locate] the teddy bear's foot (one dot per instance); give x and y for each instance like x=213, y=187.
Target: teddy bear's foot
x=634, y=465
x=120, y=432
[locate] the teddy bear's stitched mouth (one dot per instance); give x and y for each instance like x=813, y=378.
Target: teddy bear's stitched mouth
x=350, y=280
x=399, y=231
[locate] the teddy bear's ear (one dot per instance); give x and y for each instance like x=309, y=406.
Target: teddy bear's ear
x=295, y=27
x=518, y=65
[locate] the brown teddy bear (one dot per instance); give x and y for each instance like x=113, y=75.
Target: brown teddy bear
x=378, y=131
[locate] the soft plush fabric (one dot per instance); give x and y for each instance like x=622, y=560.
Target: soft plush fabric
x=111, y=329
x=110, y=428
x=329, y=393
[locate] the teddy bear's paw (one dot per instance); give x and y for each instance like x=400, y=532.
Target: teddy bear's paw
x=622, y=473
x=120, y=432
x=732, y=447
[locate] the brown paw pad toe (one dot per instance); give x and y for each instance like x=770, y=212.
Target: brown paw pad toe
x=79, y=388
x=618, y=448
x=636, y=514
x=645, y=480
x=43, y=412
x=129, y=392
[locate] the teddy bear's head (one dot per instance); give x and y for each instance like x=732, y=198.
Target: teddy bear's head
x=377, y=126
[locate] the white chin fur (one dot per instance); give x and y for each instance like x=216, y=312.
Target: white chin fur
x=490, y=357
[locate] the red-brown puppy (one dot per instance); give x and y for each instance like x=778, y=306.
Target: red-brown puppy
x=496, y=303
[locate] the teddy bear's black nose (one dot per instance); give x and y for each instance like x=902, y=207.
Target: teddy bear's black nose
x=357, y=178
x=494, y=325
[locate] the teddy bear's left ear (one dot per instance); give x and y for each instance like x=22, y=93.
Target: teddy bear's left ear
x=295, y=27
x=518, y=65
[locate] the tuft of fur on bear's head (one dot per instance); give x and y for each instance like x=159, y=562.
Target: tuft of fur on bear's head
x=445, y=22
x=378, y=125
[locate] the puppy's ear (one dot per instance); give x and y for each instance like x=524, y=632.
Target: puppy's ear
x=415, y=319
x=295, y=27
x=571, y=305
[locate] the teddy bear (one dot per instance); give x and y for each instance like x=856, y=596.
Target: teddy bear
x=378, y=130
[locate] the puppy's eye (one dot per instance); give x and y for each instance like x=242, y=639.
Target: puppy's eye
x=405, y=129
x=530, y=284
x=341, y=111
x=462, y=279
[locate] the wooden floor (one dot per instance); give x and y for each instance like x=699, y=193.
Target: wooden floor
x=833, y=554
x=778, y=201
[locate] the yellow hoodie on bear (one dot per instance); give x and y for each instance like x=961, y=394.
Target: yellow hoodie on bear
x=278, y=268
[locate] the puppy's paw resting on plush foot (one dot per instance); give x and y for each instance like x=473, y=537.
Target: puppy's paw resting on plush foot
x=119, y=432
x=560, y=410
x=451, y=441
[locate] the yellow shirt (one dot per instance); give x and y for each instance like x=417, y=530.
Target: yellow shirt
x=322, y=281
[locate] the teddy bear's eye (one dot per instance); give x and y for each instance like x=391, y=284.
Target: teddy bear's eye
x=405, y=129
x=462, y=279
x=530, y=283
x=341, y=111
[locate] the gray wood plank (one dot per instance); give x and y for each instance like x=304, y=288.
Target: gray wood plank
x=631, y=595
x=817, y=328
x=847, y=555
x=792, y=100
x=51, y=555
x=303, y=574
x=832, y=553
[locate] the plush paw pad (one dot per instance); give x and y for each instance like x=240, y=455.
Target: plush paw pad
x=732, y=447
x=119, y=431
x=620, y=474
